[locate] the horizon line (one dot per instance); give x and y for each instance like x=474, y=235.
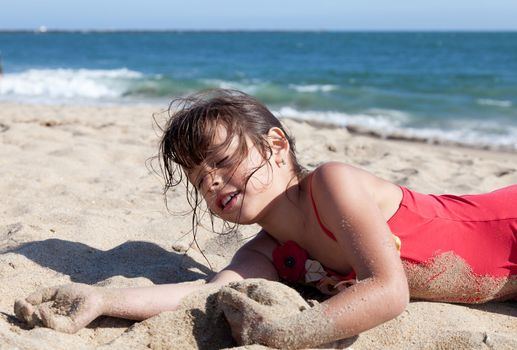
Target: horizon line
x=44, y=29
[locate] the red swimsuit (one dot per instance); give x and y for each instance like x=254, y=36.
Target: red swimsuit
x=480, y=229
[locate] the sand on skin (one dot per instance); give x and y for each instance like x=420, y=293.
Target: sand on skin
x=79, y=204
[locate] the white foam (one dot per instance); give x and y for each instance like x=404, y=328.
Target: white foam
x=491, y=102
x=374, y=118
x=313, y=87
x=67, y=83
x=392, y=123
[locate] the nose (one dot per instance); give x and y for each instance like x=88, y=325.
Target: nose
x=214, y=181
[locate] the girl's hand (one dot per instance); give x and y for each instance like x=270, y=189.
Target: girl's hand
x=245, y=316
x=66, y=308
x=260, y=312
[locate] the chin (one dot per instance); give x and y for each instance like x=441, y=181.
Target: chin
x=241, y=218
x=246, y=222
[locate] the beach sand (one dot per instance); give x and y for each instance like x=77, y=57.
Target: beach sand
x=80, y=203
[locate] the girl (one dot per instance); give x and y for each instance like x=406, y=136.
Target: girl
x=367, y=242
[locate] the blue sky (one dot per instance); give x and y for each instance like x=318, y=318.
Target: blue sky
x=264, y=14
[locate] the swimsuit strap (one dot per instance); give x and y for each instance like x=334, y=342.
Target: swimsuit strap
x=326, y=230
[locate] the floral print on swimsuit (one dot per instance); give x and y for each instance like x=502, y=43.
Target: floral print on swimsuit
x=293, y=264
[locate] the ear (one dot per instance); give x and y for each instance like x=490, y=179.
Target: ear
x=279, y=145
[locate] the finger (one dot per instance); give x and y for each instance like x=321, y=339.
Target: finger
x=254, y=290
x=233, y=306
x=42, y=295
x=60, y=323
x=239, y=301
x=242, y=313
x=26, y=312
x=23, y=310
x=233, y=313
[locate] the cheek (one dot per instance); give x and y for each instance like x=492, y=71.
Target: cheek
x=210, y=199
x=261, y=179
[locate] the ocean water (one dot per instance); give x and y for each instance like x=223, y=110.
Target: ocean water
x=441, y=87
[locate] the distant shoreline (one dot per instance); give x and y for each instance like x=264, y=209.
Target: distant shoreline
x=353, y=129
x=376, y=134
x=178, y=30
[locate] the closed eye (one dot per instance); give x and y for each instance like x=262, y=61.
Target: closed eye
x=222, y=162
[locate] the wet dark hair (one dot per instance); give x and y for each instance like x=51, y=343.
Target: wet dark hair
x=188, y=138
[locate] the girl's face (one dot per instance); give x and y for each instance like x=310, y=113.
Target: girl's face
x=237, y=194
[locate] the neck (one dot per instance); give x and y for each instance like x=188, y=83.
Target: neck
x=284, y=218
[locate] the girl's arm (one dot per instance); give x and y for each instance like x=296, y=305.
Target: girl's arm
x=347, y=207
x=250, y=261
x=70, y=307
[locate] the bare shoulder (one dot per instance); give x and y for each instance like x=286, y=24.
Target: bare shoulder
x=352, y=184
x=340, y=174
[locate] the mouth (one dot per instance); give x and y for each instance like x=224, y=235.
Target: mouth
x=228, y=200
